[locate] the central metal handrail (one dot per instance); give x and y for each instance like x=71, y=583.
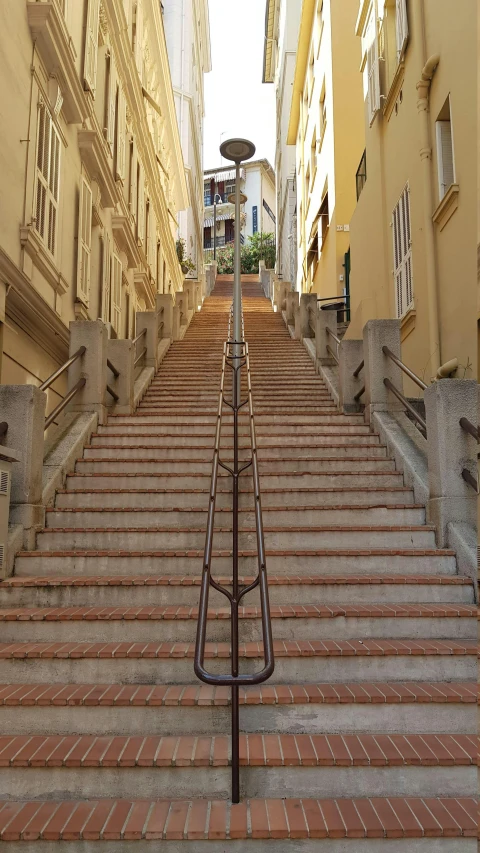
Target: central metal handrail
x=235, y=356
x=413, y=376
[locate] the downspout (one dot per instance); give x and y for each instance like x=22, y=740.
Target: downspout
x=423, y=89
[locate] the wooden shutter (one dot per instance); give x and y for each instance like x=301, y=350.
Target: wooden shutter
x=91, y=45
x=47, y=188
x=121, y=137
x=141, y=206
x=112, y=104
x=133, y=180
x=373, y=68
x=402, y=27
x=402, y=254
x=446, y=168
x=116, y=293
x=139, y=38
x=106, y=278
x=152, y=241
x=84, y=242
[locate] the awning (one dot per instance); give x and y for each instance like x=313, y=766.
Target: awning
x=226, y=175
x=209, y=223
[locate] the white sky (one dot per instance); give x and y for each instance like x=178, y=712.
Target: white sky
x=237, y=102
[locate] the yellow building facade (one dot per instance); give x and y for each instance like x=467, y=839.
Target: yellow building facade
x=413, y=233
x=92, y=175
x=327, y=127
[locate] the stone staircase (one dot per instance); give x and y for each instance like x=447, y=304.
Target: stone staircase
x=364, y=737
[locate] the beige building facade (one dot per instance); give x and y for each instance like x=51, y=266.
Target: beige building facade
x=414, y=229
x=326, y=124
x=93, y=175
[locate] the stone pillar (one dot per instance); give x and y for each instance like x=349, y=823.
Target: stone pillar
x=176, y=322
x=307, y=301
x=23, y=408
x=3, y=299
x=92, y=366
x=377, y=334
x=351, y=355
x=121, y=354
x=165, y=301
x=147, y=320
x=297, y=324
x=7, y=458
x=189, y=290
x=450, y=449
x=292, y=304
x=324, y=319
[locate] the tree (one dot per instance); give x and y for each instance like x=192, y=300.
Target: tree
x=259, y=247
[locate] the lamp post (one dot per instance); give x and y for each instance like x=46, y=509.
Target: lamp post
x=236, y=150
x=216, y=195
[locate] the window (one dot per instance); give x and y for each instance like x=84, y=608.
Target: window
x=91, y=45
x=138, y=38
x=116, y=293
x=402, y=254
x=319, y=26
x=47, y=179
x=311, y=72
x=111, y=103
x=373, y=71
x=324, y=219
x=323, y=113
x=230, y=188
x=140, y=205
x=207, y=195
x=106, y=268
x=402, y=27
x=84, y=242
x=445, y=155
x=120, y=137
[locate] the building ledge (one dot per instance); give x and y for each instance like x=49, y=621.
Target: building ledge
x=124, y=236
x=362, y=17
x=96, y=159
x=447, y=206
x=407, y=324
x=42, y=259
x=394, y=90
x=144, y=287
x=55, y=47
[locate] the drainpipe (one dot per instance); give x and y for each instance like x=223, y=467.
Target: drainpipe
x=423, y=89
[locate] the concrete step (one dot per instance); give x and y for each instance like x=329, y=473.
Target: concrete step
x=181, y=562
x=139, y=539
x=184, y=439
x=398, y=824
x=392, y=708
x=150, y=424
x=288, y=517
x=168, y=499
x=141, y=419
x=338, y=450
x=192, y=465
x=175, y=623
x=286, y=486
x=296, y=662
x=155, y=590
x=318, y=766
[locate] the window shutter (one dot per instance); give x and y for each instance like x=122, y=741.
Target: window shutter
x=91, y=45
x=116, y=292
x=152, y=241
x=112, y=103
x=373, y=80
x=106, y=273
x=139, y=38
x=446, y=169
x=402, y=254
x=121, y=136
x=47, y=189
x=133, y=180
x=402, y=27
x=141, y=207
x=84, y=242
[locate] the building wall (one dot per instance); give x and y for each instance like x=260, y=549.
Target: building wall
x=115, y=250
x=258, y=184
x=393, y=151
x=326, y=122
x=188, y=41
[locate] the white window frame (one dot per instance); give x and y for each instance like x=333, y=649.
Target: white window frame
x=47, y=179
x=446, y=171
x=373, y=73
x=120, y=154
x=116, y=293
x=84, y=253
x=106, y=278
x=401, y=18
x=91, y=46
x=402, y=254
x=112, y=103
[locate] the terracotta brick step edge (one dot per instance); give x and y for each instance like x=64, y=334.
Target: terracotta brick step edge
x=208, y=446
x=264, y=458
x=331, y=528
x=273, y=580
x=163, y=491
x=246, y=491
x=227, y=511
x=197, y=820
x=174, y=612
x=379, y=552
x=256, y=750
x=282, y=649
x=148, y=695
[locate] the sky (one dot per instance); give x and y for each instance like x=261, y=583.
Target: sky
x=237, y=102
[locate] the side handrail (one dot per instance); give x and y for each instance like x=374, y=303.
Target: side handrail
x=3, y=430
x=235, y=356
x=415, y=415
x=139, y=336
x=51, y=379
x=359, y=369
x=330, y=351
x=71, y=394
x=332, y=335
x=413, y=376
x=140, y=356
x=472, y=430
x=114, y=370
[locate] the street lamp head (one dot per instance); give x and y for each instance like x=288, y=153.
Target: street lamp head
x=243, y=198
x=237, y=150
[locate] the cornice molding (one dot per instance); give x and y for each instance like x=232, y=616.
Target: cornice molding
x=42, y=259
x=94, y=154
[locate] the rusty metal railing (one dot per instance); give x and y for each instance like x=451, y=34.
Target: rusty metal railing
x=472, y=430
x=235, y=356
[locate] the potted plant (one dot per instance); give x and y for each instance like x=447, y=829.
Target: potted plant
x=186, y=262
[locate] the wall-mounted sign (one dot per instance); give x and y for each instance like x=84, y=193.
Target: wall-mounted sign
x=255, y=219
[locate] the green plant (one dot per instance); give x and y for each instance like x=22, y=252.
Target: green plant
x=259, y=247
x=185, y=260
